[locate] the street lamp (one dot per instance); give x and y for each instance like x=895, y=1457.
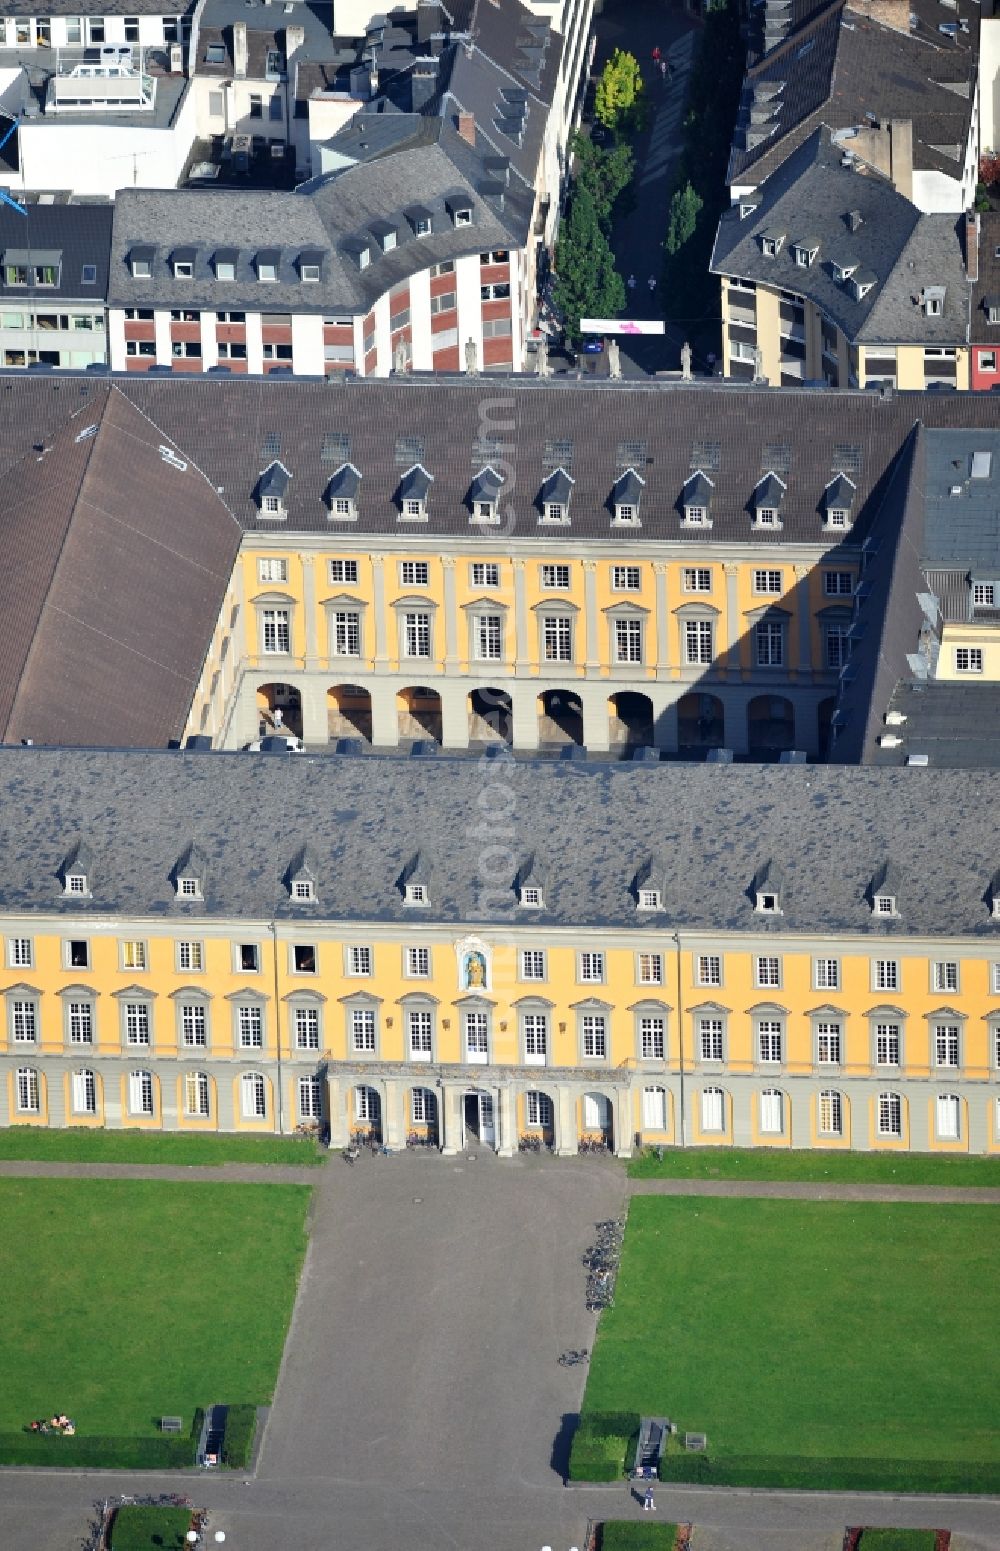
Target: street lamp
x=220, y=1536
x=192, y=1537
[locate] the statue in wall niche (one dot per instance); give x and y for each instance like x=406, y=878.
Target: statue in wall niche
x=401, y=355
x=475, y=972
x=471, y=358
x=686, y=361
x=542, y=367
x=758, y=364
x=614, y=360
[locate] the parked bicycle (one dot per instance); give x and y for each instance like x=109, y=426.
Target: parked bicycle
x=571, y=1358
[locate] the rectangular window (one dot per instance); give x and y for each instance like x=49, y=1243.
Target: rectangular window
x=28, y=1098
x=886, y=975
x=769, y=1033
x=650, y=969
x=890, y=1115
x=363, y=1030
x=191, y=956
x=23, y=1022
x=487, y=637
x=140, y=1093
x=250, y=1027
x=197, y=1095
x=78, y=952
x=555, y=578
x=272, y=569
x=344, y=572
x=713, y=1109
x=359, y=961
x=828, y=1044
x=476, y=1036
x=276, y=630
x=628, y=640
x=946, y=976
x=968, y=659
x=416, y=635
x=709, y=969
x=485, y=574
x=651, y=1038
x=19, y=952
x=306, y=1022
x=710, y=1039
x=84, y=1093
x=346, y=634
x=420, y=1026
x=698, y=642
x=137, y=1023
x=887, y=1044
x=591, y=967
x=304, y=958
x=771, y=1112
x=253, y=1093
x=538, y=1110
x=423, y=1107
x=625, y=578
x=557, y=638
x=133, y=955
x=194, y=1024
x=248, y=958
x=831, y=1114
x=532, y=964
x=946, y=1044
x=983, y=595
x=536, y=1038
x=256, y=105
x=838, y=584
x=837, y=646
x=826, y=974
x=949, y=1115
x=81, y=1023
x=595, y=1036
x=414, y=573
x=768, y=971
x=654, y=1109
x=418, y=963
x=769, y=636
x=767, y=581
x=310, y=1090
x=697, y=579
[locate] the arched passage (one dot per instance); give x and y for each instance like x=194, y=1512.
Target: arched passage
x=491, y=717
x=770, y=726
x=419, y=713
x=560, y=717
x=349, y=712
x=701, y=722
x=279, y=707
x=596, y=1122
x=631, y=720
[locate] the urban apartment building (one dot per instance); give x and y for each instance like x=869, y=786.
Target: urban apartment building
x=53, y=284
x=202, y=942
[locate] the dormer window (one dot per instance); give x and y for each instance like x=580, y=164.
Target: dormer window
x=555, y=497
x=189, y=888
x=141, y=263
x=76, y=883
x=885, y=904
x=485, y=511
x=463, y=217
x=843, y=272
x=309, y=273
x=696, y=499
x=416, y=894
x=771, y=243
x=993, y=311
x=387, y=241
x=224, y=264
x=215, y=54
x=267, y=272
x=626, y=513
x=767, y=499
x=420, y=219
x=555, y=511
x=364, y=258
x=340, y=506
x=484, y=496
x=272, y=488
x=748, y=207
x=414, y=508
x=805, y=252
x=342, y=493
x=183, y=269
x=422, y=226
x=932, y=300
x=696, y=516
x=303, y=891
x=649, y=899
x=767, y=516
x=272, y=506
x=626, y=497
x=861, y=282
x=767, y=904
x=531, y=897
x=274, y=65
x=838, y=499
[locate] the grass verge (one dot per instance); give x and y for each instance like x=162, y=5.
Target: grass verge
x=150, y=1529
x=623, y=1535
x=76, y=1145
x=821, y=1167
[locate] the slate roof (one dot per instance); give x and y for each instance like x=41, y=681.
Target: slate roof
x=840, y=66
x=827, y=831
x=987, y=287
x=903, y=249
x=962, y=529
x=957, y=726
x=82, y=233
x=102, y=8
x=107, y=602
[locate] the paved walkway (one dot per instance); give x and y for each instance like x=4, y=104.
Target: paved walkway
x=801, y=1190
x=248, y=1173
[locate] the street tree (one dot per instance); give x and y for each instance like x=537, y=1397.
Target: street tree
x=587, y=283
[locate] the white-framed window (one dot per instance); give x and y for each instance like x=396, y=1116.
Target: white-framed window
x=191, y=956
x=272, y=568
x=628, y=640
x=769, y=1032
x=414, y=573
x=699, y=642
x=194, y=1024
x=995, y=978
x=983, y=595
x=140, y=1093
x=968, y=659
x=826, y=974
x=713, y=1109
x=948, y=1117
x=828, y=1043
x=359, y=961
x=767, y=970
x=29, y=1101
x=555, y=578
x=710, y=1036
x=420, y=1033
x=885, y=975
x=535, y=1027
x=253, y=1096
x=416, y=634
x=591, y=966
x=696, y=516
x=310, y=1096
x=344, y=573
x=23, y=1021
x=708, y=969
x=697, y=578
x=487, y=637
x=137, y=1023
x=187, y=888
x=532, y=963
x=626, y=578
x=946, y=1044
x=418, y=963
x=346, y=633
x=83, y=1086
x=367, y=1105
x=363, y=1030
x=652, y=1037
x=276, y=632
x=249, y=1026
x=134, y=954
x=197, y=1095
x=76, y=953
x=595, y=1036
x=485, y=573
x=831, y=1113
x=767, y=517
x=538, y=1111
x=557, y=638
x=304, y=958
x=416, y=894
x=945, y=975
x=305, y=1022
x=887, y=1041
x=772, y=1112
x=838, y=584
x=20, y=952
x=885, y=904
x=890, y=1114
x=423, y=1107
x=765, y=581
x=654, y=1108
x=477, y=1036
x=531, y=897
x=769, y=640
x=650, y=967
x=553, y=511
x=80, y=1022
x=836, y=645
x=768, y=903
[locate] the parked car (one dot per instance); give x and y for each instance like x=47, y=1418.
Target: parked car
x=273, y=743
x=592, y=346
x=602, y=136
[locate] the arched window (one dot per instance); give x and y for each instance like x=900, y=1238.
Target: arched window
x=772, y=1112
x=890, y=1114
x=253, y=1094
x=84, y=1092
x=831, y=1113
x=310, y=1098
x=654, y=1109
x=197, y=1095
x=367, y=1105
x=949, y=1117
x=713, y=1109
x=140, y=1093
x=28, y=1093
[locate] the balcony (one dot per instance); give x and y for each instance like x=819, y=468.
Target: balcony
x=100, y=81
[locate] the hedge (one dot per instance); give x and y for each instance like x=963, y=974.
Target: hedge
x=237, y=1439
x=833, y=1474
x=600, y=1445
x=164, y=1451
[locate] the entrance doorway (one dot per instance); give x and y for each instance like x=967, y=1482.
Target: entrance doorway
x=480, y=1124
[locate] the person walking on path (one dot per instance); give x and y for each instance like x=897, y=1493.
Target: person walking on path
x=656, y=54
x=647, y=1501
x=651, y=282
x=630, y=282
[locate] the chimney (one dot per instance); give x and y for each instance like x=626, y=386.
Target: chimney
x=901, y=156
x=972, y=245
x=240, y=50
x=294, y=39
x=466, y=126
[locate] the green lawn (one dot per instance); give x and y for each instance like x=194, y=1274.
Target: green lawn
x=77, y=1145
x=782, y=1164
x=810, y=1331
x=896, y=1540
x=128, y=1300
x=150, y=1529
x=641, y=1535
